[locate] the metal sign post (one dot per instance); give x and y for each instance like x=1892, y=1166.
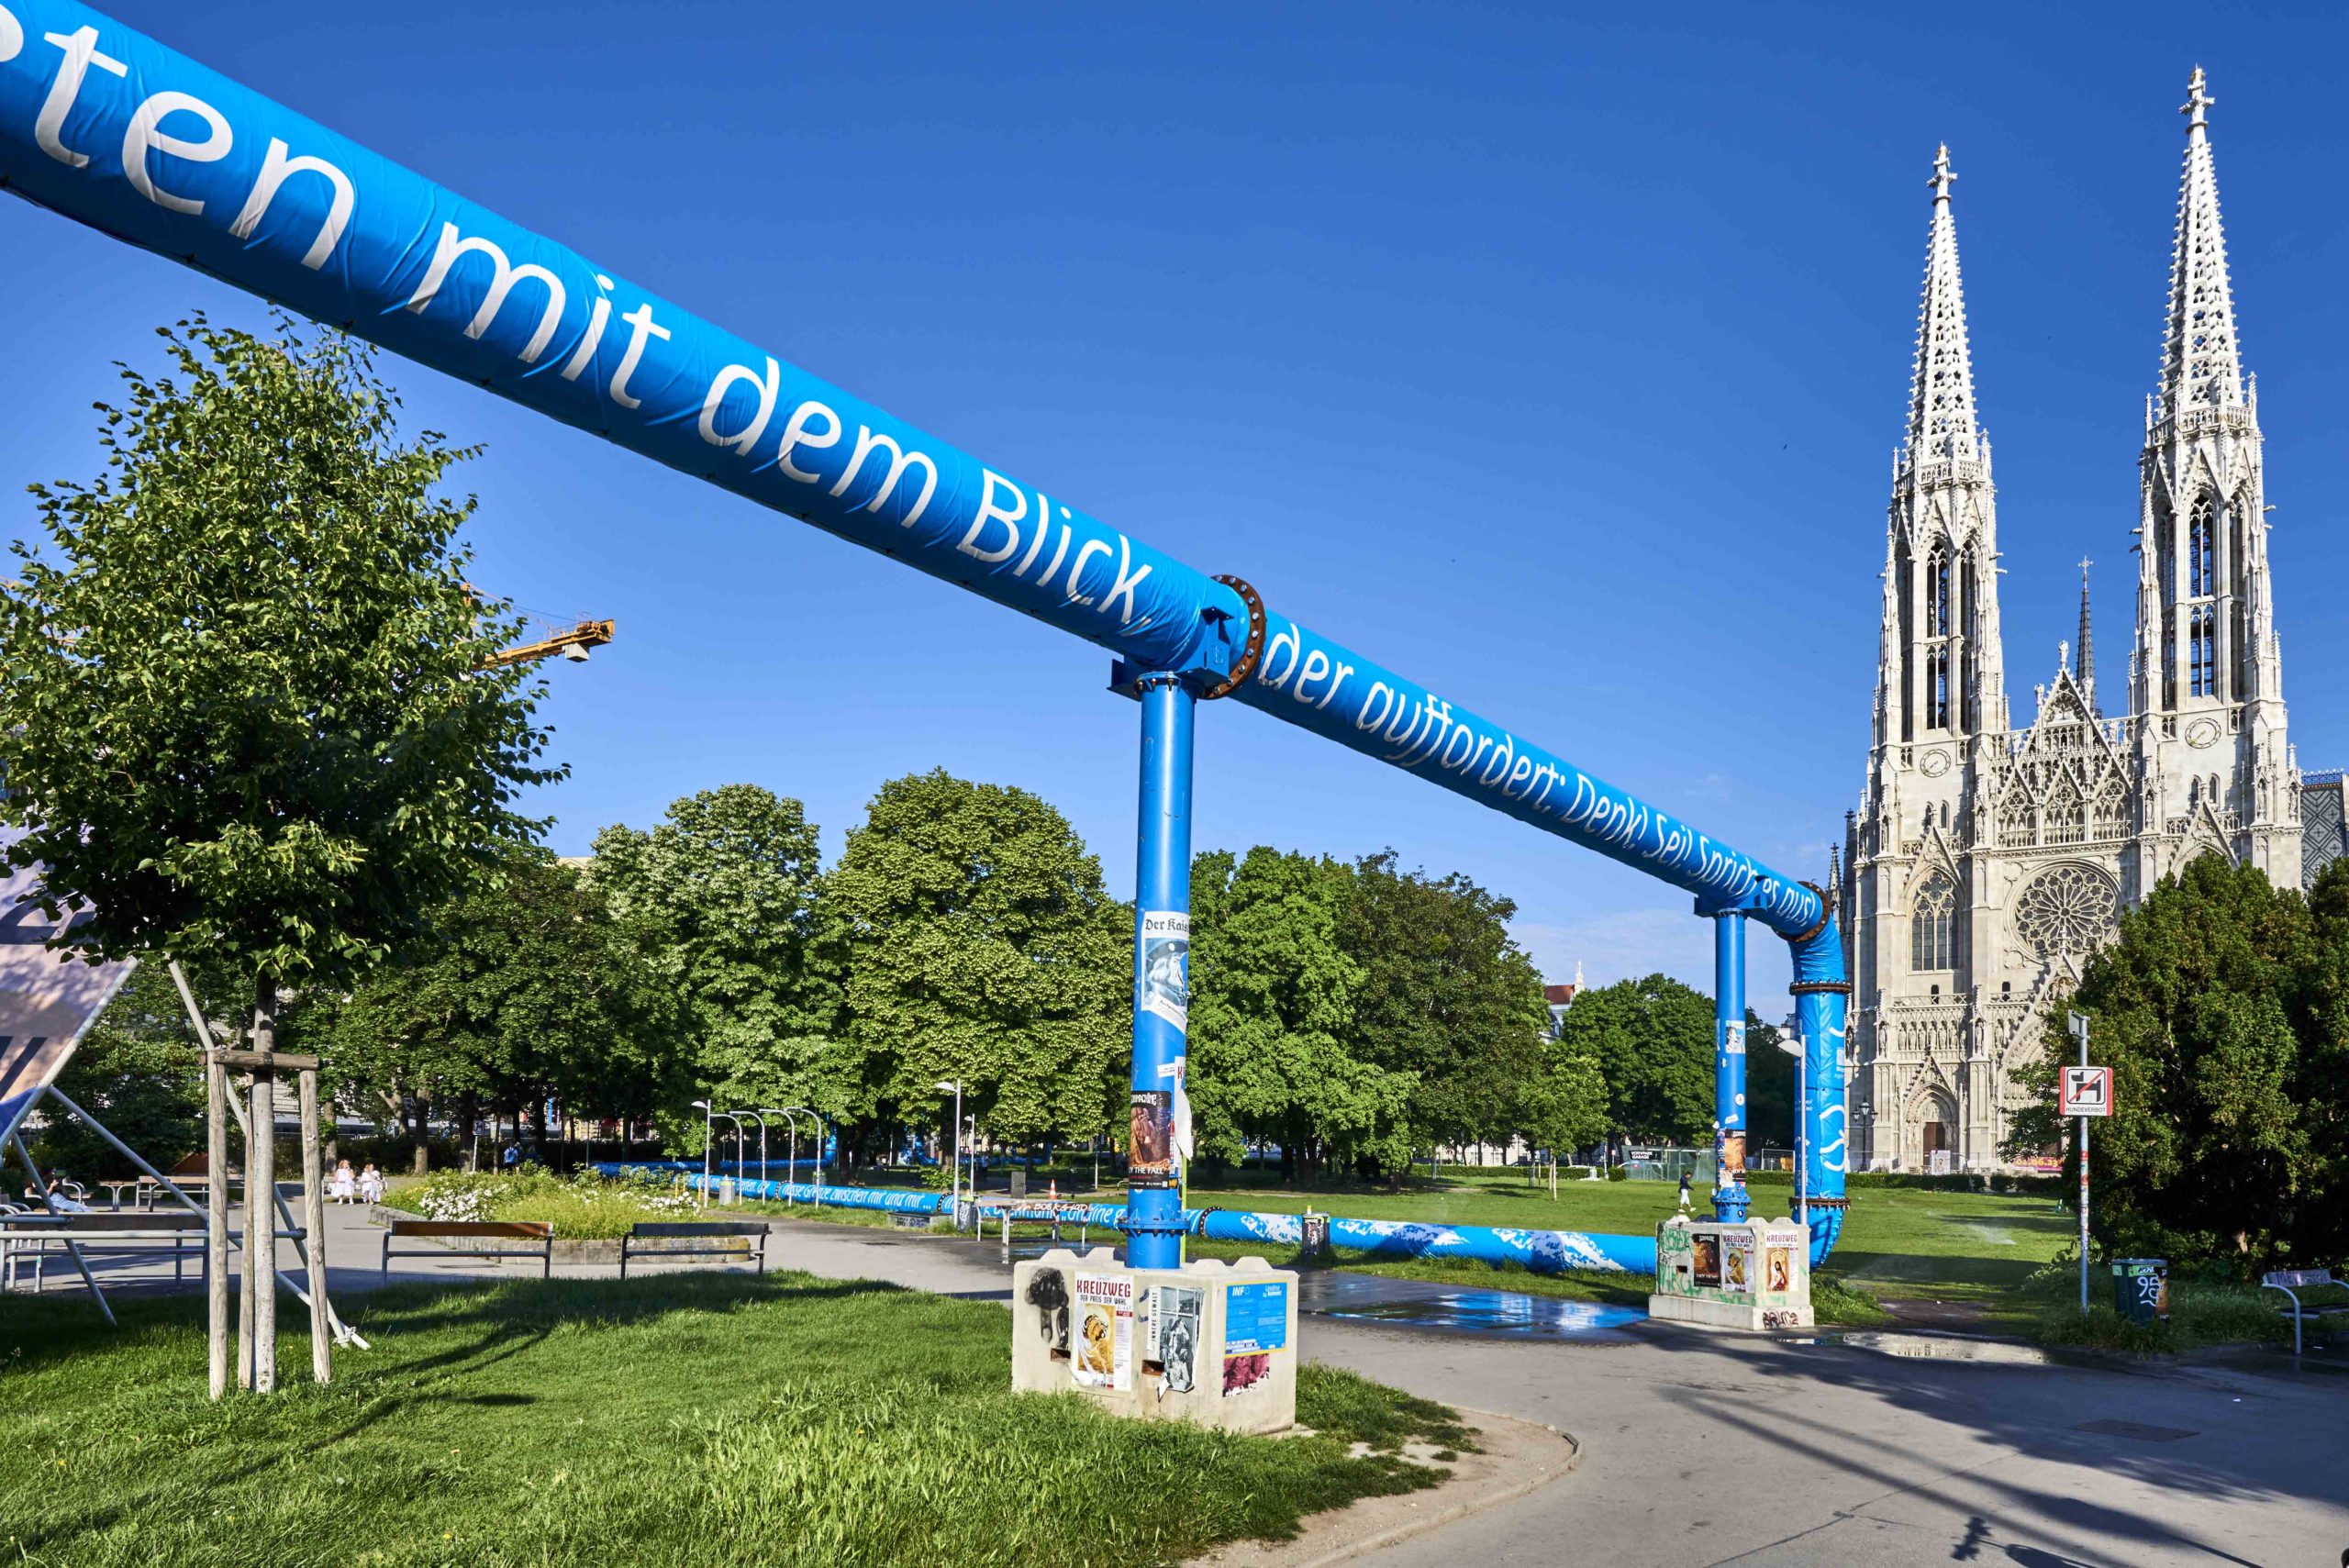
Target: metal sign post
x=2084, y=1092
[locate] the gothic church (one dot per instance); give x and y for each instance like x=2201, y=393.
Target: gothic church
x=1985, y=860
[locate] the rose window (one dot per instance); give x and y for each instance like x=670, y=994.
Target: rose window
x=2068, y=909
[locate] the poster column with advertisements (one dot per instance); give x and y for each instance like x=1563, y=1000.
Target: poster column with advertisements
x=1161, y=975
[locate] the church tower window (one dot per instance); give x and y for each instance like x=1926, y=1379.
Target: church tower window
x=1933, y=927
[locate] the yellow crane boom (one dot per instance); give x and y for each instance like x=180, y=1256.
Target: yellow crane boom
x=572, y=642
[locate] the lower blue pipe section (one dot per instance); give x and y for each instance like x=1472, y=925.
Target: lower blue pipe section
x=1542, y=1252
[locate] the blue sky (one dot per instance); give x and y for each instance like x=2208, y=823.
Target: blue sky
x=1555, y=363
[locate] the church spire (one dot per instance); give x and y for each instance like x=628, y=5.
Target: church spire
x=1941, y=399
x=2200, y=365
x=2088, y=648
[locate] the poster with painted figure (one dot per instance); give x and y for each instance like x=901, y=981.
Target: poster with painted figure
x=1781, y=1274
x=1737, y=1260
x=1166, y=966
x=1173, y=1341
x=1103, y=1345
x=1048, y=1294
x=1707, y=1246
x=1151, y=1147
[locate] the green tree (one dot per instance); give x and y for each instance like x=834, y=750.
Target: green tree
x=1446, y=997
x=2219, y=1008
x=244, y=714
x=976, y=943
x=727, y=888
x=528, y=991
x=1654, y=1040
x=1272, y=1018
x=1563, y=1107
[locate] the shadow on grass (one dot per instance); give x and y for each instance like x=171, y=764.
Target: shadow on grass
x=43, y=1331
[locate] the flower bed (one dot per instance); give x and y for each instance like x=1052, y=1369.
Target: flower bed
x=585, y=1206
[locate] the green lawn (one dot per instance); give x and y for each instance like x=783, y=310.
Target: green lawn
x=680, y=1420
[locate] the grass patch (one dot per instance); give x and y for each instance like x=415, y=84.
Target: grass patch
x=2199, y=1315
x=681, y=1420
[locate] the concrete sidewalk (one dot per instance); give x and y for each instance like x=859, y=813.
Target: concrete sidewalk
x=1703, y=1449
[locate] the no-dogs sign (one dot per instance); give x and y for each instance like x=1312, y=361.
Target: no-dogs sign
x=2085, y=1091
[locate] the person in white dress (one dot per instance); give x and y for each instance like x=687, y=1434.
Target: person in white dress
x=371, y=1184
x=343, y=1186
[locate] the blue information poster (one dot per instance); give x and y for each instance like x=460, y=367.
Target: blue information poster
x=1256, y=1319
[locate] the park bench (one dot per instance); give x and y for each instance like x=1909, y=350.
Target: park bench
x=537, y=1231
x=2289, y=1283
x=728, y=1236
x=24, y=1236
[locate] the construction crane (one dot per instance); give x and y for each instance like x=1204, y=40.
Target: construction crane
x=572, y=641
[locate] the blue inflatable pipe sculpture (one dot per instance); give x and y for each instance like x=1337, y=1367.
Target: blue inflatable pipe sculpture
x=108, y=128
x=1542, y=1252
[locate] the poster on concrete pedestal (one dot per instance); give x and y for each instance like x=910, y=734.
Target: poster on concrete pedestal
x=1737, y=1260
x=1256, y=1325
x=1103, y=1346
x=1171, y=1349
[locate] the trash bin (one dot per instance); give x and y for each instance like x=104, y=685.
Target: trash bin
x=2140, y=1288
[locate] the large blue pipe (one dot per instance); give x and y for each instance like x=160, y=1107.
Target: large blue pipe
x=1729, y=1197
x=1542, y=1252
x=113, y=130
x=1161, y=969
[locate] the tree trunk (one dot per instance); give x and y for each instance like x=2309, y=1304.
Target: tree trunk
x=261, y=1192
x=423, y=1161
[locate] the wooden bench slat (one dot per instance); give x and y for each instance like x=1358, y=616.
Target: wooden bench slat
x=520, y=1229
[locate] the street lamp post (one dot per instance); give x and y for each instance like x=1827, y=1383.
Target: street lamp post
x=817, y=1118
x=708, y=1133
x=791, y=1149
x=956, y=1085
x=761, y=1116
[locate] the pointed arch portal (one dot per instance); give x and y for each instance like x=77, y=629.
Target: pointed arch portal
x=113, y=129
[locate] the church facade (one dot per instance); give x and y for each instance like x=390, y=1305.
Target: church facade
x=1987, y=859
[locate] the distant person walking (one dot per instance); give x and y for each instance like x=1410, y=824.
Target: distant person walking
x=1685, y=1182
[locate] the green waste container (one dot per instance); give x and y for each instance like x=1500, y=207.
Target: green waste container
x=2140, y=1288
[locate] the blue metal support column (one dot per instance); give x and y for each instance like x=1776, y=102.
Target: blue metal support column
x=1729, y=1197
x=1162, y=972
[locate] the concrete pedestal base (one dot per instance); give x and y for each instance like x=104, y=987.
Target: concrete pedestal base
x=1749, y=1273
x=1212, y=1342
x=1726, y=1314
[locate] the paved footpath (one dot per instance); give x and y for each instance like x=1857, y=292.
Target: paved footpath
x=1703, y=1448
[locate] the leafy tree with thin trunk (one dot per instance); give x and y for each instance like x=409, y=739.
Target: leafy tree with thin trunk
x=728, y=890
x=1654, y=1040
x=1271, y=1024
x=1447, y=997
x=244, y=714
x=977, y=943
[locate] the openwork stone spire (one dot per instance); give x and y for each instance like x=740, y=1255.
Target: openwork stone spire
x=1940, y=400
x=2088, y=648
x=2201, y=367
